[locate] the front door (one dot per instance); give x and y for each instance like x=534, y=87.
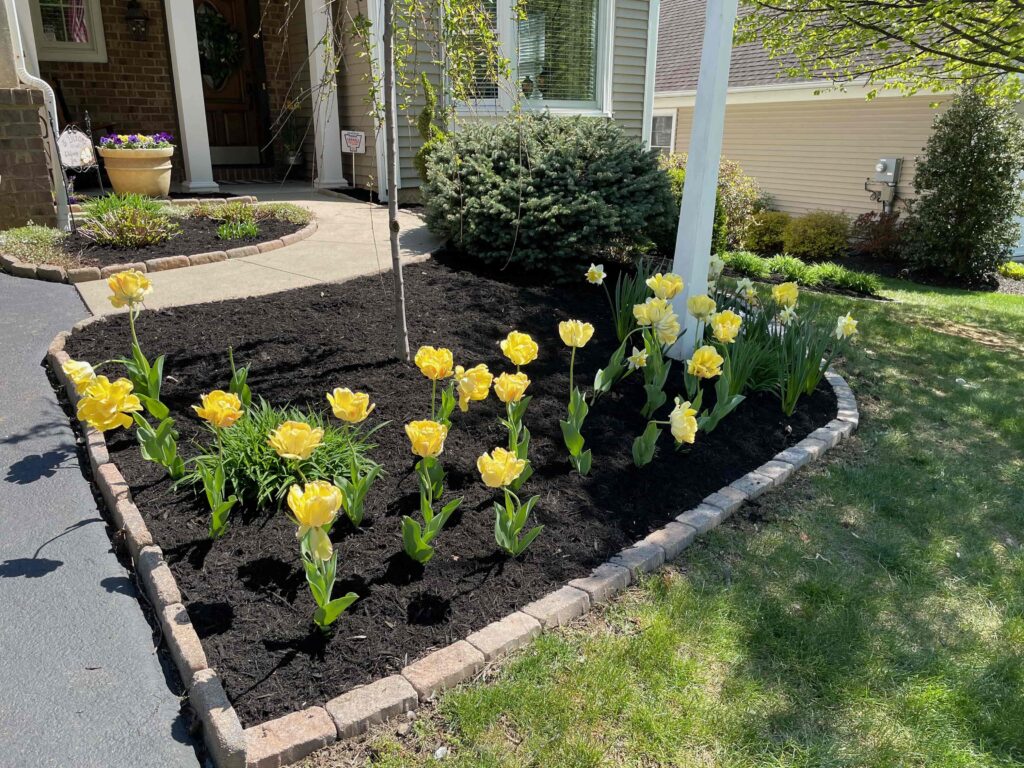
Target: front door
x=231, y=61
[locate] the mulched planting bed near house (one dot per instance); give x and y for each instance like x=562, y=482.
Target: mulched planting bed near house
x=246, y=594
x=197, y=235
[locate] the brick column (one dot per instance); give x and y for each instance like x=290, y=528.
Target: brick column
x=25, y=193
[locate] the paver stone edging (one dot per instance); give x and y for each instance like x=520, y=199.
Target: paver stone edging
x=58, y=274
x=292, y=737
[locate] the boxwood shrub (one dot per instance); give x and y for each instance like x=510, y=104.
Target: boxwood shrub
x=817, y=235
x=545, y=193
x=765, y=232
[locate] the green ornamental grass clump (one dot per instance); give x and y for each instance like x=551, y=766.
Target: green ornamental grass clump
x=130, y=227
x=747, y=264
x=826, y=274
x=288, y=212
x=255, y=471
x=792, y=268
x=238, y=230
x=98, y=207
x=544, y=193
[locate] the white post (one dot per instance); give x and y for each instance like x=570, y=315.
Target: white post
x=324, y=89
x=194, y=140
x=697, y=214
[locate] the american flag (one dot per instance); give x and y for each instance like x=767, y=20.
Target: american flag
x=78, y=29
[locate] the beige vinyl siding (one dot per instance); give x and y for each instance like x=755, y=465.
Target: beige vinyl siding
x=354, y=108
x=816, y=155
x=630, y=64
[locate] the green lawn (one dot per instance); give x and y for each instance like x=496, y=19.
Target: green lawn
x=870, y=614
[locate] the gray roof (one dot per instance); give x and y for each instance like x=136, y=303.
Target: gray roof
x=680, y=35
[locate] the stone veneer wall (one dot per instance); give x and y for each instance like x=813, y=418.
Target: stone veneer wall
x=25, y=193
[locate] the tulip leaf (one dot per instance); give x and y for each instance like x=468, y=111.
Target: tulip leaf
x=326, y=615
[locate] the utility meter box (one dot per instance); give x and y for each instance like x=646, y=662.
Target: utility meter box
x=887, y=170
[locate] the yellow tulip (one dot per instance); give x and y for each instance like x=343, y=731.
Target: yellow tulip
x=638, y=359
x=295, y=440
x=219, y=409
x=320, y=546
x=107, y=404
x=520, y=348
x=575, y=333
x=81, y=374
x=472, y=384
x=846, y=326
x=128, y=288
x=658, y=314
x=706, y=363
x=499, y=468
x=786, y=294
x=665, y=286
x=596, y=274
x=426, y=438
x=315, y=504
x=510, y=387
x=725, y=325
x=349, y=406
x=435, y=364
x=683, y=422
x=701, y=307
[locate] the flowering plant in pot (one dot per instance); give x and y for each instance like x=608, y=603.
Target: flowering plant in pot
x=138, y=162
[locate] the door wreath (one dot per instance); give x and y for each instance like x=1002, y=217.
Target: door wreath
x=220, y=46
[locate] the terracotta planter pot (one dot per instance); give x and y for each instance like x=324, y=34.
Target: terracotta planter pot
x=143, y=171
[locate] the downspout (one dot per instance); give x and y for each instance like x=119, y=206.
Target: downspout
x=60, y=190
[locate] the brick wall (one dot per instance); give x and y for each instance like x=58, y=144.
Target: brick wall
x=24, y=179
x=134, y=90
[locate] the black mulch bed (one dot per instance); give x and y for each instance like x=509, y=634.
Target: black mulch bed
x=197, y=236
x=246, y=594
x=887, y=268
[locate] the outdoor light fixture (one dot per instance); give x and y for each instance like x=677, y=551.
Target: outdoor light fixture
x=137, y=20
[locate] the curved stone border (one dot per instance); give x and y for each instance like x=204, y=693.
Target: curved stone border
x=57, y=274
x=292, y=737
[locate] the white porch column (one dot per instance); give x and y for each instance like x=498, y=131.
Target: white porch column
x=697, y=214
x=324, y=89
x=193, y=141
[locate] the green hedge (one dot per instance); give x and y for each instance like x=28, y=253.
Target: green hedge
x=825, y=274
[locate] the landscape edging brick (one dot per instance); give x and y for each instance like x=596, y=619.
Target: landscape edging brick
x=354, y=711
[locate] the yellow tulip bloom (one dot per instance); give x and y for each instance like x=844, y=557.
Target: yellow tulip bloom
x=472, y=384
x=683, y=422
x=435, y=364
x=220, y=409
x=510, y=387
x=701, y=307
x=314, y=506
x=786, y=294
x=665, y=286
x=658, y=314
x=426, y=438
x=725, y=325
x=107, y=404
x=706, y=363
x=846, y=326
x=596, y=274
x=575, y=333
x=81, y=374
x=128, y=288
x=499, y=468
x=295, y=440
x=520, y=348
x=351, y=407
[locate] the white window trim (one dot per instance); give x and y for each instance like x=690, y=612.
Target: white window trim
x=508, y=40
x=665, y=113
x=94, y=51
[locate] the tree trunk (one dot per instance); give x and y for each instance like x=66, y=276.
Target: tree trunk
x=391, y=157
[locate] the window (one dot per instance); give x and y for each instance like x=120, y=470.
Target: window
x=561, y=54
x=68, y=30
x=558, y=52
x=663, y=132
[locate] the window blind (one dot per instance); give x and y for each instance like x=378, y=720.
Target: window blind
x=557, y=56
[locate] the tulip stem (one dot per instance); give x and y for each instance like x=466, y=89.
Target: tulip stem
x=572, y=369
x=433, y=398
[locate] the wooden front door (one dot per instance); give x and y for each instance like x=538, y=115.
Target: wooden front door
x=231, y=60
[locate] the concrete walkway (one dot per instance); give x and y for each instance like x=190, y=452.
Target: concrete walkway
x=80, y=681
x=351, y=240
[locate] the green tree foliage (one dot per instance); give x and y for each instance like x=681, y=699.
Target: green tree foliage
x=910, y=45
x=969, y=190
x=538, y=191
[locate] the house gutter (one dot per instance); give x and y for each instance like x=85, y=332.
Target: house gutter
x=25, y=77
